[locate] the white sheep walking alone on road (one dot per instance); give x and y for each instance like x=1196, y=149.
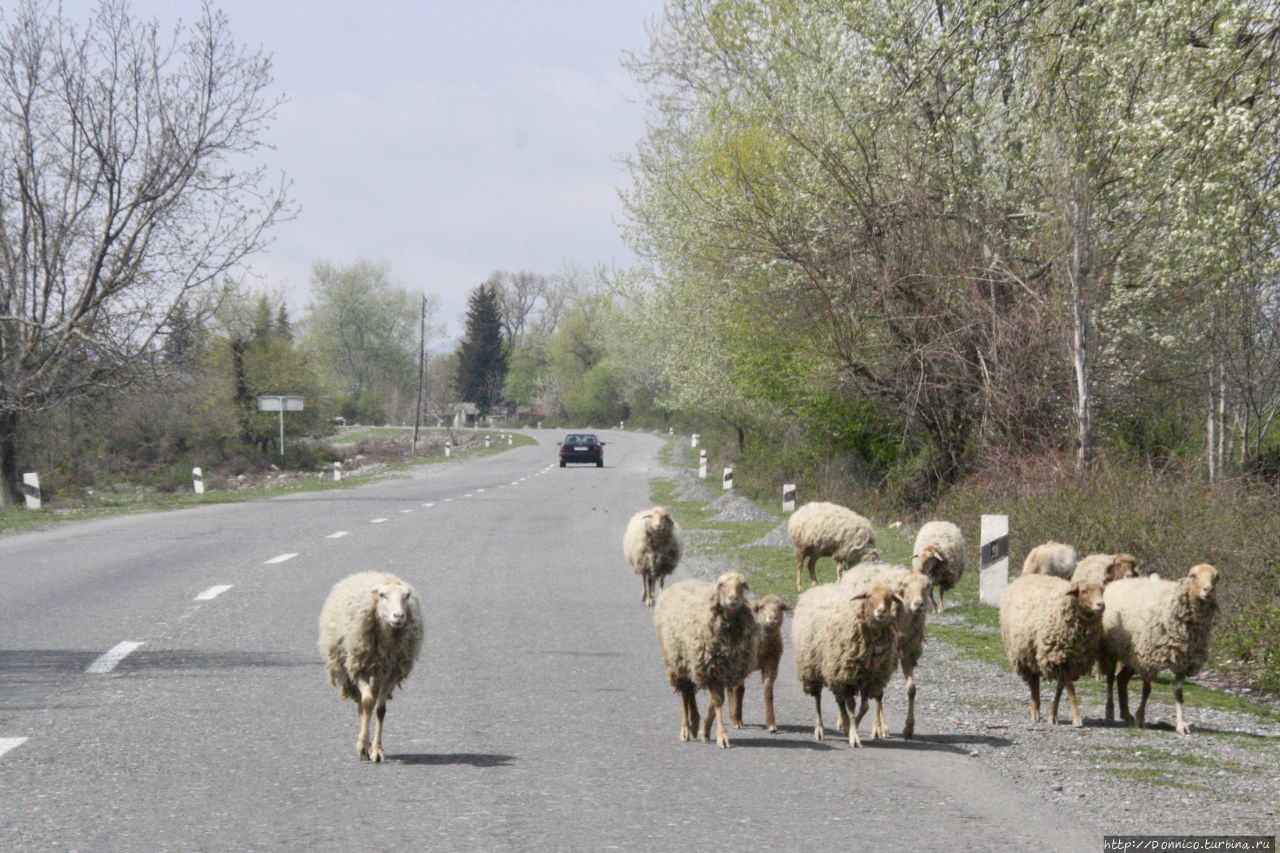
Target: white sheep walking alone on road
x=651, y=545
x=370, y=636
x=707, y=636
x=1153, y=625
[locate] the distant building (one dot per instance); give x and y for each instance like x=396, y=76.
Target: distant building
x=465, y=415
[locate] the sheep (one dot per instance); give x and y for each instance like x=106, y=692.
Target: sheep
x=707, y=635
x=1051, y=558
x=652, y=547
x=1105, y=568
x=820, y=529
x=914, y=588
x=939, y=553
x=1152, y=625
x=370, y=636
x=1051, y=628
x=769, y=612
x=848, y=644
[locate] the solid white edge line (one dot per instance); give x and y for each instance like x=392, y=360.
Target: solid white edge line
x=213, y=592
x=337, y=535
x=108, y=660
x=282, y=558
x=8, y=743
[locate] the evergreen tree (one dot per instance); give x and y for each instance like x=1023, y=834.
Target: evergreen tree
x=284, y=327
x=482, y=358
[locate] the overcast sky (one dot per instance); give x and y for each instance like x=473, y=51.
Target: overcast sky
x=450, y=138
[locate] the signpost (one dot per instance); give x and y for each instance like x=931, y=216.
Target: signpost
x=280, y=403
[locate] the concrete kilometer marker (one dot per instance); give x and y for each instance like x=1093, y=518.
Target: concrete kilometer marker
x=111, y=658
x=213, y=592
x=282, y=558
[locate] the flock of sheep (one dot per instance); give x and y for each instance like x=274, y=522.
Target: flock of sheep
x=1058, y=620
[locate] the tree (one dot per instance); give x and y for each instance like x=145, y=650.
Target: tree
x=482, y=358
x=126, y=182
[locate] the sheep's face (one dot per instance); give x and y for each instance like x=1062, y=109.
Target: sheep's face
x=1202, y=579
x=1122, y=566
x=930, y=556
x=659, y=521
x=915, y=590
x=769, y=611
x=1088, y=596
x=879, y=604
x=870, y=555
x=731, y=591
x=394, y=603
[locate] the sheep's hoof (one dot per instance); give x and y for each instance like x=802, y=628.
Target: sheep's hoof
x=841, y=727
x=908, y=730
x=737, y=724
x=362, y=751
x=1077, y=724
x=818, y=734
x=773, y=730
x=1183, y=729
x=684, y=734
x=722, y=741
x=854, y=743
x=376, y=755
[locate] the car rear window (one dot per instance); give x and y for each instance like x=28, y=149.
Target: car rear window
x=580, y=439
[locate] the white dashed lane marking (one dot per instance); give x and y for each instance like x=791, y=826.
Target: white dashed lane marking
x=428, y=504
x=110, y=659
x=282, y=558
x=337, y=535
x=213, y=592
x=478, y=491
x=8, y=743
x=403, y=511
x=377, y=520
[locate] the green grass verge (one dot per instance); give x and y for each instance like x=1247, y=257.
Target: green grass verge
x=108, y=504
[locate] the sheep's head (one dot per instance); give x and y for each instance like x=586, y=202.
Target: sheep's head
x=870, y=555
x=658, y=520
x=769, y=610
x=1200, y=581
x=880, y=604
x=1088, y=596
x=396, y=603
x=1122, y=566
x=930, y=556
x=915, y=589
x=731, y=591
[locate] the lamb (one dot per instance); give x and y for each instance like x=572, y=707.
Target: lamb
x=1152, y=625
x=1105, y=568
x=848, y=644
x=707, y=635
x=1051, y=558
x=914, y=588
x=652, y=547
x=820, y=529
x=1051, y=628
x=370, y=636
x=769, y=612
x=939, y=553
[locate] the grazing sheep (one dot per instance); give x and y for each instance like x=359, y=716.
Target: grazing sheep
x=768, y=611
x=370, y=636
x=820, y=529
x=914, y=588
x=1051, y=558
x=848, y=644
x=1153, y=625
x=652, y=547
x=939, y=553
x=707, y=635
x=1051, y=628
x=1105, y=568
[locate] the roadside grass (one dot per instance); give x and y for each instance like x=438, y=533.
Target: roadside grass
x=107, y=504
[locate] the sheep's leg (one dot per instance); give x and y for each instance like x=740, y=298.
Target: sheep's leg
x=852, y=700
x=688, y=712
x=375, y=752
x=880, y=728
x=1122, y=690
x=1178, y=722
x=715, y=708
x=839, y=568
x=799, y=569
x=842, y=720
x=735, y=705
x=817, y=715
x=770, y=722
x=909, y=728
x=1057, y=698
x=1111, y=682
x=942, y=601
x=1140, y=718
x=366, y=711
x=1033, y=682
x=813, y=570
x=1076, y=720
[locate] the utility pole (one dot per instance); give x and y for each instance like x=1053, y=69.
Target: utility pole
x=422, y=372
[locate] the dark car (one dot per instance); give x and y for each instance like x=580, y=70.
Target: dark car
x=581, y=447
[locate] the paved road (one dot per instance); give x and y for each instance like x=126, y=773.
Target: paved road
x=538, y=716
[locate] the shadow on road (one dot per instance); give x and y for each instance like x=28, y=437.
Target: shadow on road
x=470, y=759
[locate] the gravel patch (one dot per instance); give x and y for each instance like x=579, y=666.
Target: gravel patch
x=775, y=538
x=690, y=488
x=734, y=507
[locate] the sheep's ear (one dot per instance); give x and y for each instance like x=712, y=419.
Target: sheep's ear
x=902, y=602
x=862, y=596
x=1074, y=591
x=756, y=605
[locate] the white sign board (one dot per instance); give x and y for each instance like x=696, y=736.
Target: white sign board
x=279, y=403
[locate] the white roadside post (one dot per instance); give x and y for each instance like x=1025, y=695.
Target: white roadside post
x=448, y=449
x=702, y=464
x=994, y=559
x=486, y=441
x=337, y=472
x=539, y=424
x=197, y=481
x=789, y=497
x=671, y=430
x=510, y=441
x=693, y=442
x=31, y=490
x=728, y=479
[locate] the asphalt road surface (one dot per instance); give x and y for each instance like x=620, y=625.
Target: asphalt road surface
x=538, y=717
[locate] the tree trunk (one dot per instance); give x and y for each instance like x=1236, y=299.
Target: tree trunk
x=1080, y=338
x=10, y=493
